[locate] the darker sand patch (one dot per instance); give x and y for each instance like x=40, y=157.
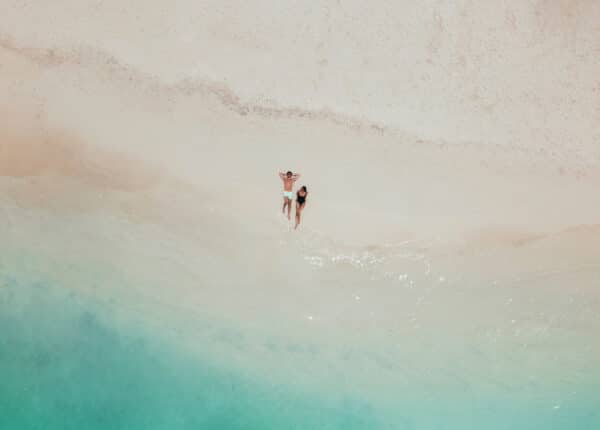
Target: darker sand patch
x=56, y=171
x=36, y=152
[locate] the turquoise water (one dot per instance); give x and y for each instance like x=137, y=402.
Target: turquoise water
x=64, y=364
x=62, y=367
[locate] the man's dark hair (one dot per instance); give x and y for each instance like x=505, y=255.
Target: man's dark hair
x=288, y=174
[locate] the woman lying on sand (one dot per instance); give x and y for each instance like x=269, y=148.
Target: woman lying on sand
x=300, y=203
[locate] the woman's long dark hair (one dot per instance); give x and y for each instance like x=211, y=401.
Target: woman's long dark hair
x=303, y=188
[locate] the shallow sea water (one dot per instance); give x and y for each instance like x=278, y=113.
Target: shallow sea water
x=68, y=361
x=64, y=367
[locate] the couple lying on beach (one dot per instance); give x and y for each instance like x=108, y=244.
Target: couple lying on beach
x=289, y=179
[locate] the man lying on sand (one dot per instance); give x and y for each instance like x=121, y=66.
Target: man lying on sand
x=288, y=179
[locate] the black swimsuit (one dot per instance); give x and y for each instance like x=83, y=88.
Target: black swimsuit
x=300, y=199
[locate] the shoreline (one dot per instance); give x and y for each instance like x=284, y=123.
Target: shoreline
x=445, y=274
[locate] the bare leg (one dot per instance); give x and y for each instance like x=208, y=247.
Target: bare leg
x=289, y=203
x=285, y=201
x=298, y=213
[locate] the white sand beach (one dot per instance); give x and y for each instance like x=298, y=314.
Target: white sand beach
x=450, y=247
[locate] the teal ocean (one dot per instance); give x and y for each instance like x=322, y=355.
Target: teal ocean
x=63, y=367
x=64, y=364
